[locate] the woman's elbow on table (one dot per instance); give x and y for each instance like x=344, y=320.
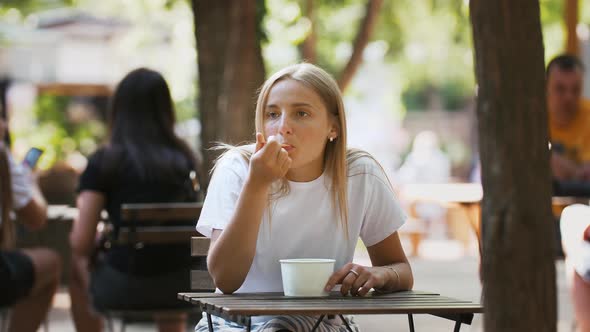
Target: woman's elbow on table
x=226, y=286
x=410, y=283
x=225, y=281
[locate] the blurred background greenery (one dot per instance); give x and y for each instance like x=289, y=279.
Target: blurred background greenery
x=424, y=47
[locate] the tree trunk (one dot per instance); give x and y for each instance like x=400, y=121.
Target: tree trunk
x=308, y=48
x=230, y=70
x=243, y=74
x=571, y=23
x=360, y=42
x=211, y=32
x=518, y=260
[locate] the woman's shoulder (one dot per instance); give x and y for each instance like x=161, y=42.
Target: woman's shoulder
x=360, y=161
x=364, y=170
x=96, y=157
x=236, y=158
x=101, y=152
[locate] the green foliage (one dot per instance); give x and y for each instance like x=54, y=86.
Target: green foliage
x=452, y=95
x=416, y=96
x=261, y=12
x=389, y=28
x=435, y=55
x=553, y=27
x=59, y=133
x=29, y=6
x=427, y=41
x=185, y=109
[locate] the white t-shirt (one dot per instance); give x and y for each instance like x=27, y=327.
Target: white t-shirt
x=303, y=223
x=20, y=177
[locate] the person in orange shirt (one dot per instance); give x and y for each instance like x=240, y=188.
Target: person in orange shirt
x=569, y=119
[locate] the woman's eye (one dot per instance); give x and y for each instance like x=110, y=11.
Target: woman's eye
x=272, y=115
x=302, y=113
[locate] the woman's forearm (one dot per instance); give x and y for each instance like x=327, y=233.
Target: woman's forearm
x=231, y=255
x=399, y=277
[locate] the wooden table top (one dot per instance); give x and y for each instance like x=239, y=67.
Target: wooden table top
x=414, y=302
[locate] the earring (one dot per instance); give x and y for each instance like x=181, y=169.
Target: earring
x=332, y=139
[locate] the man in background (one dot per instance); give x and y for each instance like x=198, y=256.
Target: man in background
x=569, y=120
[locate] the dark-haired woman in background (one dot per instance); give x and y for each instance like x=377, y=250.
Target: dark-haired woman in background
x=143, y=162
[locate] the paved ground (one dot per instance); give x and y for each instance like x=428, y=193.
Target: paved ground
x=442, y=267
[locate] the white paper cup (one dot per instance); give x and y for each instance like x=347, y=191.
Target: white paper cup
x=306, y=276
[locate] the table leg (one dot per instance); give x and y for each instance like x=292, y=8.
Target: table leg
x=318, y=323
x=209, y=322
x=457, y=326
x=346, y=323
x=411, y=322
x=249, y=324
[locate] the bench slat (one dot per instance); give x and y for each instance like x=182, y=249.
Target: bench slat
x=200, y=246
x=159, y=211
x=157, y=235
x=201, y=281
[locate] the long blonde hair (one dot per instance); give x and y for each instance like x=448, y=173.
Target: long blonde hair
x=335, y=155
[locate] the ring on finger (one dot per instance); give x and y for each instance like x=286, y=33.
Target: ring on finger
x=353, y=272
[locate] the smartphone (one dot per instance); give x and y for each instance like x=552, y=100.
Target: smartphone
x=32, y=157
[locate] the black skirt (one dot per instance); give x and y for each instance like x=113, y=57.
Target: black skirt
x=17, y=276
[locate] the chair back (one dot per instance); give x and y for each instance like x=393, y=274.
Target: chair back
x=201, y=280
x=158, y=223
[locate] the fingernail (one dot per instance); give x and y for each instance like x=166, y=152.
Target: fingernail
x=328, y=288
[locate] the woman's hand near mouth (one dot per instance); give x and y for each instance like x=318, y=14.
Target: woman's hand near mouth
x=270, y=161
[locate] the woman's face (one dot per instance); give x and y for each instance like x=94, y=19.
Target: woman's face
x=299, y=115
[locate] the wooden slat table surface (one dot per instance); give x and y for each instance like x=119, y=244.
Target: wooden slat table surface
x=239, y=307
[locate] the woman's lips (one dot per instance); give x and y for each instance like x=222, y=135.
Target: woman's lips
x=287, y=147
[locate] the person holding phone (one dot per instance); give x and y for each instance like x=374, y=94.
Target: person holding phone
x=28, y=277
x=32, y=157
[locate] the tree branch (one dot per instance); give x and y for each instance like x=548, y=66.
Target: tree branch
x=361, y=40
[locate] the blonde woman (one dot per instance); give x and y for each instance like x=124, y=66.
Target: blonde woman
x=299, y=192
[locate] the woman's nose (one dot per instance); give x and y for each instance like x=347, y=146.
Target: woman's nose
x=285, y=126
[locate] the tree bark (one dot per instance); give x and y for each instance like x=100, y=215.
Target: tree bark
x=230, y=70
x=518, y=260
x=360, y=42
